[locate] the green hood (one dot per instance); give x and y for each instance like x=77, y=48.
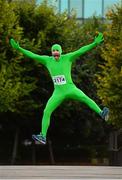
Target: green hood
x=57, y=47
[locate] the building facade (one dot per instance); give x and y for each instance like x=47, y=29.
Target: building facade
x=83, y=8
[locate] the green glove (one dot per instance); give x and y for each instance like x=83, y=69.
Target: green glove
x=99, y=39
x=14, y=44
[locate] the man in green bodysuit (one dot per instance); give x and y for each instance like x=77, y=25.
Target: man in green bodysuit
x=59, y=67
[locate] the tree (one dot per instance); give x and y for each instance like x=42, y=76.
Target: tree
x=110, y=77
x=15, y=88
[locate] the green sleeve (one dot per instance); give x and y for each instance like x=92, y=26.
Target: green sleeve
x=81, y=51
x=41, y=59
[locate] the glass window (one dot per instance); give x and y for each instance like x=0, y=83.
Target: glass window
x=54, y=3
x=109, y=3
x=77, y=7
x=92, y=7
x=63, y=5
x=39, y=1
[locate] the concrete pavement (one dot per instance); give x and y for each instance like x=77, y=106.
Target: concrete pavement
x=61, y=172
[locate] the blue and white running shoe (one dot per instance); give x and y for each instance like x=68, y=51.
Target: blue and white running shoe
x=105, y=114
x=39, y=138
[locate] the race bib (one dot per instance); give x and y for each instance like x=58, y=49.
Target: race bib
x=59, y=80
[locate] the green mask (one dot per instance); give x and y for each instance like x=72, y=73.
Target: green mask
x=57, y=47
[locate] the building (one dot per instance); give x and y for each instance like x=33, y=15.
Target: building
x=83, y=8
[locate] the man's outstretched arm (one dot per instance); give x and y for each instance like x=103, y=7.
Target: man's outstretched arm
x=40, y=59
x=99, y=39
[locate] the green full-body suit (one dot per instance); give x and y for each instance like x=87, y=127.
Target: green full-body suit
x=60, y=72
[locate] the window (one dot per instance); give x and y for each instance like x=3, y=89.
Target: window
x=92, y=7
x=77, y=7
x=63, y=5
x=83, y=8
x=109, y=3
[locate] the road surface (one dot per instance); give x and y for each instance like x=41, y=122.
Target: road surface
x=61, y=172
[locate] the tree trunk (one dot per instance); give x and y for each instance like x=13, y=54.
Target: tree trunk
x=14, y=152
x=51, y=152
x=33, y=154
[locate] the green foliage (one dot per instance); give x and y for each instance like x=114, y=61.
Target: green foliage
x=9, y=25
x=15, y=89
x=110, y=78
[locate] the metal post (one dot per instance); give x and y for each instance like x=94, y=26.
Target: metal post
x=69, y=8
x=83, y=6
x=102, y=9
x=59, y=5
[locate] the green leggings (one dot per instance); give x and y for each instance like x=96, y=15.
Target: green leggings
x=69, y=91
